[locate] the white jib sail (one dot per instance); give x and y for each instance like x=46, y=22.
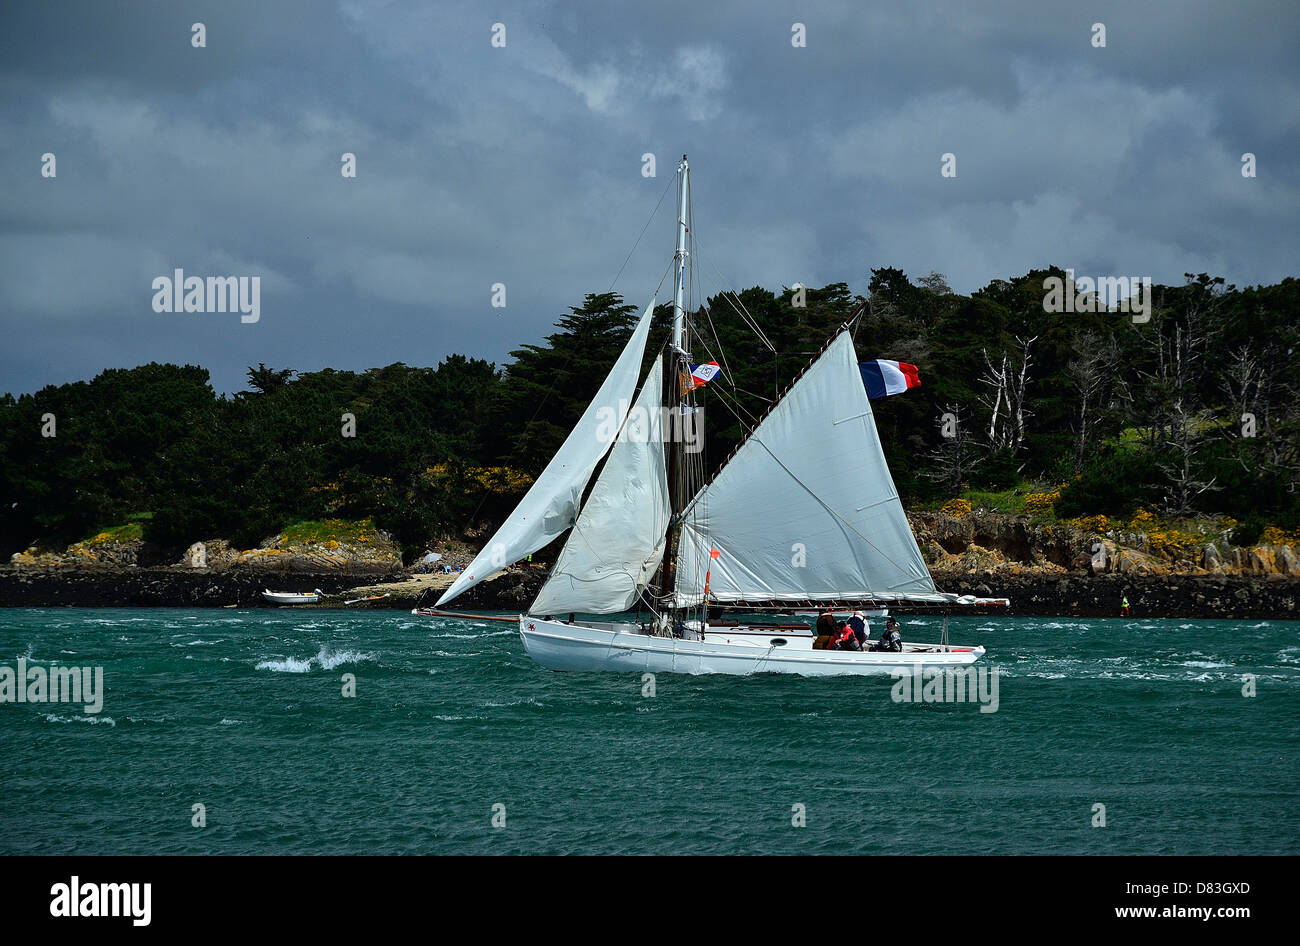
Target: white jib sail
x=617, y=544
x=806, y=508
x=551, y=504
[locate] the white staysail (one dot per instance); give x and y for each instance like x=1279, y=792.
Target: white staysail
x=551, y=504
x=806, y=508
x=618, y=542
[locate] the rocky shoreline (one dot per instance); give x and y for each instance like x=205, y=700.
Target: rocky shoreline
x=1166, y=596
x=1081, y=568
x=101, y=587
x=1076, y=594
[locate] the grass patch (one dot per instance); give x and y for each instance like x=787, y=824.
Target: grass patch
x=1009, y=501
x=328, y=530
x=128, y=532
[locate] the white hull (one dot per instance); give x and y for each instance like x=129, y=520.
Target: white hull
x=742, y=650
x=289, y=597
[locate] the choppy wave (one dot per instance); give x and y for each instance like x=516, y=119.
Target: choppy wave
x=94, y=720
x=323, y=660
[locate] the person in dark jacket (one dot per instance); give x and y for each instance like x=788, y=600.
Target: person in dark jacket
x=827, y=631
x=891, y=639
x=859, y=624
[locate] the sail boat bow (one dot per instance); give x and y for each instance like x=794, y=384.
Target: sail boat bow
x=804, y=512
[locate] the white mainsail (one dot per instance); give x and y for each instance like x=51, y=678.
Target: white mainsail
x=806, y=508
x=551, y=504
x=618, y=542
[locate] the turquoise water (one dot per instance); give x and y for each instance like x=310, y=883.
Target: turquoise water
x=242, y=712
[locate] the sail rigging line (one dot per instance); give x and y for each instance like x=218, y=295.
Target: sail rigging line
x=729, y=295
x=577, y=532
x=653, y=214
x=905, y=572
x=829, y=508
x=519, y=441
x=719, y=389
x=771, y=407
x=551, y=390
x=726, y=367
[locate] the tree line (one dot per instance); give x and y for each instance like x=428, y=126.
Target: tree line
x=1192, y=411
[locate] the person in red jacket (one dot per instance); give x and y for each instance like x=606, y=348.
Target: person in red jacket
x=847, y=639
x=827, y=632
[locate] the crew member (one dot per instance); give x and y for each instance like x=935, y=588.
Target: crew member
x=890, y=640
x=847, y=639
x=826, y=631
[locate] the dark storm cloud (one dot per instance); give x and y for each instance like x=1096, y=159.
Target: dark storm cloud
x=522, y=165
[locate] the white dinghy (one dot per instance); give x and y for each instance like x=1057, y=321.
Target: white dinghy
x=293, y=597
x=802, y=516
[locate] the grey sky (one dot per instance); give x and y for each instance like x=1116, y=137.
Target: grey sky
x=522, y=165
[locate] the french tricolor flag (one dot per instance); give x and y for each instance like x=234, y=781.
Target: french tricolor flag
x=883, y=378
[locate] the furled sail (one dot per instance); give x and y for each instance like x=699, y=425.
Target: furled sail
x=806, y=509
x=551, y=504
x=618, y=542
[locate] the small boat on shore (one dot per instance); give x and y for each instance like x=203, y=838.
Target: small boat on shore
x=293, y=597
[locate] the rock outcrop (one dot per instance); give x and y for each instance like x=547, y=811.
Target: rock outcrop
x=1011, y=545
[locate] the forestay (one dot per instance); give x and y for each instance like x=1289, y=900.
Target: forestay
x=618, y=542
x=806, y=508
x=551, y=504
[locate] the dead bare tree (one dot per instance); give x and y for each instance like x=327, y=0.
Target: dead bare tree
x=1093, y=374
x=952, y=462
x=1266, y=421
x=1008, y=381
x=1180, y=425
x=1241, y=378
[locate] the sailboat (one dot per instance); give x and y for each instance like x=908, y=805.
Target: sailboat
x=802, y=515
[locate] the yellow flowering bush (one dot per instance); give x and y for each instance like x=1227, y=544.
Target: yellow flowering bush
x=1090, y=523
x=1040, y=503
x=1173, y=543
x=476, y=479
x=956, y=508
x=1275, y=536
x=1142, y=520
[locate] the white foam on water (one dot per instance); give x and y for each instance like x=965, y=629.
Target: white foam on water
x=1205, y=664
x=474, y=637
x=287, y=665
x=529, y=701
x=323, y=659
x=54, y=718
x=330, y=661
x=231, y=722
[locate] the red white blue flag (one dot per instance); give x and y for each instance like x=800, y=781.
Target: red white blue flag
x=883, y=378
x=704, y=373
